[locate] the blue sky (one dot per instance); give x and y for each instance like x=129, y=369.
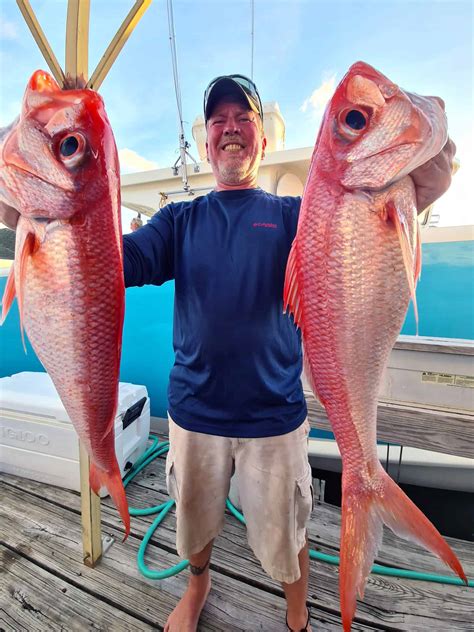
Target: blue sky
x=301, y=51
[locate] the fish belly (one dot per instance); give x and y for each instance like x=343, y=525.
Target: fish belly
x=355, y=299
x=72, y=303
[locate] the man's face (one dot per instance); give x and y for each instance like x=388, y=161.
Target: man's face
x=235, y=144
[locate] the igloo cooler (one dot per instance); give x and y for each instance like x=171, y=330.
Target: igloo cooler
x=37, y=438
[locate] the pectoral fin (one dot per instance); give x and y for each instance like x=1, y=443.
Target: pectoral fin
x=29, y=247
x=291, y=292
x=8, y=294
x=411, y=260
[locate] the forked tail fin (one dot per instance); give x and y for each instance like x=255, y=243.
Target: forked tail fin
x=112, y=480
x=364, y=511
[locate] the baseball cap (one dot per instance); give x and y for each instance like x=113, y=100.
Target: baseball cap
x=238, y=85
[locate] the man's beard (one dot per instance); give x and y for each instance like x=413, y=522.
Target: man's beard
x=234, y=173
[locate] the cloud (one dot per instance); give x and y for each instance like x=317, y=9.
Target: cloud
x=319, y=98
x=130, y=161
x=8, y=30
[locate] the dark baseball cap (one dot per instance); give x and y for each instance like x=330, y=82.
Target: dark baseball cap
x=228, y=85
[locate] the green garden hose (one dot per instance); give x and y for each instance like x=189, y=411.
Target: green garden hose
x=158, y=449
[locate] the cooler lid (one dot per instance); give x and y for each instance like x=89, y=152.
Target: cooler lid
x=34, y=393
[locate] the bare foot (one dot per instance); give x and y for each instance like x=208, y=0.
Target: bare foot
x=299, y=623
x=185, y=616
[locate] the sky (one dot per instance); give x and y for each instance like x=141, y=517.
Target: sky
x=302, y=48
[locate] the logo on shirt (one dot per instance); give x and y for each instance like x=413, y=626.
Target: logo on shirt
x=264, y=225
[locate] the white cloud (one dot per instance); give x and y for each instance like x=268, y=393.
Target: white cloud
x=8, y=30
x=130, y=161
x=319, y=98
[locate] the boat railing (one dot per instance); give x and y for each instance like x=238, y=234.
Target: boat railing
x=437, y=415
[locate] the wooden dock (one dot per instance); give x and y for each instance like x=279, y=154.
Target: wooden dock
x=45, y=586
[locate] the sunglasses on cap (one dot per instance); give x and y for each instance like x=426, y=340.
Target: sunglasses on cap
x=246, y=86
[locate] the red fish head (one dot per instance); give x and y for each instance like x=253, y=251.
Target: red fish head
x=376, y=132
x=60, y=159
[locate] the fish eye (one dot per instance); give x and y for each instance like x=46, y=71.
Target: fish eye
x=72, y=149
x=352, y=122
x=69, y=146
x=355, y=120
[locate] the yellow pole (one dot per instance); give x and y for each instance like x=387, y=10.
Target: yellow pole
x=117, y=43
x=40, y=38
x=77, y=43
x=90, y=514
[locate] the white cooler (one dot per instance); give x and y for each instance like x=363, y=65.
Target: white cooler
x=37, y=438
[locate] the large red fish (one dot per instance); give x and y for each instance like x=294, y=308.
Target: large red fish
x=352, y=268
x=59, y=168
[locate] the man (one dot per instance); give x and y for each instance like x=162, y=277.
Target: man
x=235, y=397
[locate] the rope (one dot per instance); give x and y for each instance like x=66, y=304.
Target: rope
x=252, y=37
x=174, y=61
x=183, y=144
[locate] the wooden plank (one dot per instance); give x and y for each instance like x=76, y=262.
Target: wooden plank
x=77, y=44
x=117, y=43
x=34, y=599
x=40, y=39
x=90, y=513
x=149, y=488
x=49, y=536
x=428, y=429
x=382, y=602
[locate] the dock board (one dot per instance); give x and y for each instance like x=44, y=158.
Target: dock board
x=47, y=587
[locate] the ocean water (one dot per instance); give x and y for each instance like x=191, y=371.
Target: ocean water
x=445, y=297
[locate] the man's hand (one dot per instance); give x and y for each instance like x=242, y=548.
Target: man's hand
x=8, y=215
x=434, y=177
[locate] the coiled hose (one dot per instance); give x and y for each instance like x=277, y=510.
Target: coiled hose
x=158, y=449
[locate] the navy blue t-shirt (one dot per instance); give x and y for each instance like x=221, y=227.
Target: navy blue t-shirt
x=238, y=357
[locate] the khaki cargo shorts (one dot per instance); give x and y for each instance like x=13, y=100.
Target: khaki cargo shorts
x=275, y=488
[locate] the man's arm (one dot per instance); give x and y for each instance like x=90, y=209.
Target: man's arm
x=8, y=215
x=434, y=177
x=148, y=253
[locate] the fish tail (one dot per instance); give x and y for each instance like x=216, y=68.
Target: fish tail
x=365, y=509
x=112, y=480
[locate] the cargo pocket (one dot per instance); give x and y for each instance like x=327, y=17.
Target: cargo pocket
x=171, y=483
x=303, y=499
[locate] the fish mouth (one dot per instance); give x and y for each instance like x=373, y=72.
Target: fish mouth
x=387, y=150
x=46, y=225
x=16, y=167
